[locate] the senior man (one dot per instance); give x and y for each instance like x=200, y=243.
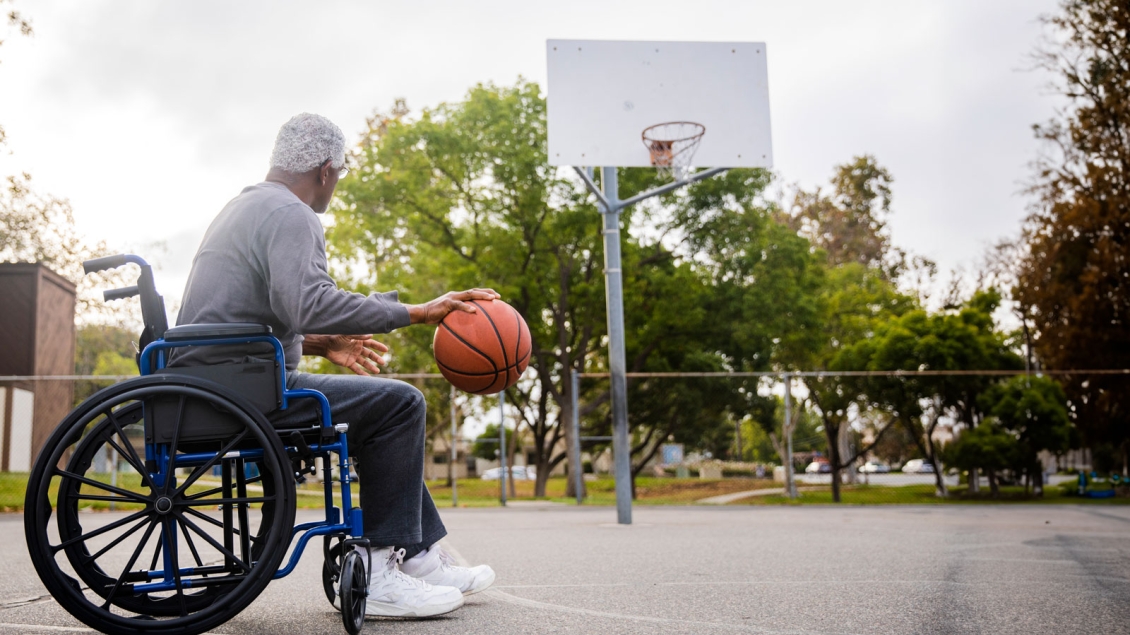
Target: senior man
x=263, y=260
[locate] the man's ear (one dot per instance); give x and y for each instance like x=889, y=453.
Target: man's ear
x=324, y=172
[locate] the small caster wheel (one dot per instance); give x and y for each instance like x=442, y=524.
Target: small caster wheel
x=353, y=589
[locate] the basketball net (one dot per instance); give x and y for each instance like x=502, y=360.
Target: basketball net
x=672, y=146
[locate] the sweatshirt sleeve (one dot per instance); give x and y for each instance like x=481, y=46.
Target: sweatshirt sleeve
x=291, y=252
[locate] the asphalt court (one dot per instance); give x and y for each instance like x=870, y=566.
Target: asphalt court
x=828, y=570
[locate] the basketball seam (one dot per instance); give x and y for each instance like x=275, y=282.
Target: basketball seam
x=471, y=346
x=459, y=372
x=518, y=344
x=501, y=344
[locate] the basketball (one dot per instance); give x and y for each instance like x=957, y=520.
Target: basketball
x=483, y=352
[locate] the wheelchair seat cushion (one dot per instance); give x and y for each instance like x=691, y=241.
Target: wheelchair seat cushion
x=215, y=331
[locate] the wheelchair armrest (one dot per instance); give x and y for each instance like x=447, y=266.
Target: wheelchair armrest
x=215, y=331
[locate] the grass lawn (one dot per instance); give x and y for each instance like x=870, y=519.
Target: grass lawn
x=602, y=491
x=923, y=495
x=649, y=490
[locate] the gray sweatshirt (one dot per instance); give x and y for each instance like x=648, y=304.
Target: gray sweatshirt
x=263, y=260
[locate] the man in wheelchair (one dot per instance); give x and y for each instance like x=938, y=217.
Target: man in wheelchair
x=263, y=260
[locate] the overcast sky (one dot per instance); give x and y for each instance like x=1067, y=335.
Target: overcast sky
x=149, y=116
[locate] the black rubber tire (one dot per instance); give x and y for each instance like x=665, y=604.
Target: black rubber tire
x=331, y=569
x=353, y=592
x=202, y=611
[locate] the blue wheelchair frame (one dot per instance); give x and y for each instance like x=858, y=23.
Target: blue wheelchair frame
x=158, y=453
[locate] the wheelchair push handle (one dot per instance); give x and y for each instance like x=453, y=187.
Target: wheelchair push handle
x=111, y=262
x=120, y=294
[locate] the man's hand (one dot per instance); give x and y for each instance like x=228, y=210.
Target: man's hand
x=433, y=312
x=358, y=353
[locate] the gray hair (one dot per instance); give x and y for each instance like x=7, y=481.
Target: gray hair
x=305, y=142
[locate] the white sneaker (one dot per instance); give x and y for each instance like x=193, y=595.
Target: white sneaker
x=394, y=594
x=436, y=566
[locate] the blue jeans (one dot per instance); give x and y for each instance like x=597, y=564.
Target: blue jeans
x=386, y=436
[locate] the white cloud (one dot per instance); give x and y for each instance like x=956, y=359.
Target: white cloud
x=150, y=116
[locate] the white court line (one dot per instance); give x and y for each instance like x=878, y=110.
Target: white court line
x=534, y=604
x=23, y=628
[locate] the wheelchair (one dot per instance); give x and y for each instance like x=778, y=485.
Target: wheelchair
x=207, y=486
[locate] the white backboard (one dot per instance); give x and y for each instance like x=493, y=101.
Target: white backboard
x=602, y=94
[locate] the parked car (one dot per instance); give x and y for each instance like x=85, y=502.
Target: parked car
x=874, y=467
x=918, y=466
x=818, y=467
x=517, y=472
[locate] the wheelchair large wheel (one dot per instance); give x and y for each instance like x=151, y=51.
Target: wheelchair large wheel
x=188, y=548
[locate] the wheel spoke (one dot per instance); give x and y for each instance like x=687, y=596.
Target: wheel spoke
x=210, y=492
x=116, y=541
x=198, y=472
x=134, y=496
x=191, y=545
x=125, y=455
x=217, y=490
x=215, y=522
x=212, y=541
x=129, y=565
x=101, y=530
x=137, y=463
x=226, y=501
x=112, y=499
x=157, y=550
x=173, y=445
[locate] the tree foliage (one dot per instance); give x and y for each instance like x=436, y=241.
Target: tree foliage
x=950, y=340
x=1034, y=409
x=463, y=196
x=1075, y=271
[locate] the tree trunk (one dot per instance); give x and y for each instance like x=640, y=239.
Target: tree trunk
x=542, y=478
x=832, y=438
x=994, y=486
x=846, y=458
x=1038, y=483
x=974, y=481
x=932, y=456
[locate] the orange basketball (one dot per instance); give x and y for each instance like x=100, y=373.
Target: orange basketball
x=484, y=352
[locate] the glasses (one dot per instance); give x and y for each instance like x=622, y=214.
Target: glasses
x=342, y=171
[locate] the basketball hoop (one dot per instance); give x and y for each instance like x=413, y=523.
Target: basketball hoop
x=672, y=146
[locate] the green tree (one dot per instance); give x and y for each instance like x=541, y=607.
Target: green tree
x=486, y=444
x=951, y=340
x=849, y=227
x=102, y=350
x=1075, y=275
x=986, y=447
x=1035, y=410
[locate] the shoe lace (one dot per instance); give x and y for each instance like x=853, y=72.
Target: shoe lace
x=446, y=559
x=395, y=558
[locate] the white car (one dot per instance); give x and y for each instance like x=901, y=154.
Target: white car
x=918, y=466
x=517, y=472
x=818, y=467
x=874, y=467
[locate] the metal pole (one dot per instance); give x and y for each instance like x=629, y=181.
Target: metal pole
x=614, y=297
x=790, y=482
x=502, y=446
x=579, y=468
x=454, y=452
